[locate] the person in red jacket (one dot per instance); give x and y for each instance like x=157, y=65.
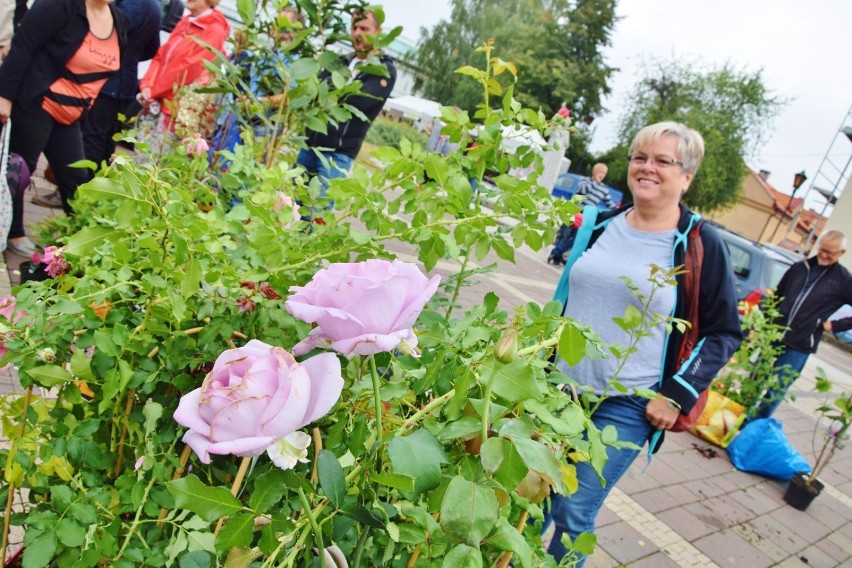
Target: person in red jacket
x=180, y=61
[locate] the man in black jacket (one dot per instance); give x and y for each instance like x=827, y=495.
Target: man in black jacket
x=812, y=290
x=330, y=155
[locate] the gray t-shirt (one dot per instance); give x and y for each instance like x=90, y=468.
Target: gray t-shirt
x=598, y=293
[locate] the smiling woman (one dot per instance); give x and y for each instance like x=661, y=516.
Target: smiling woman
x=619, y=245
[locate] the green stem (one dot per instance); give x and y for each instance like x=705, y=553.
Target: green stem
x=459, y=282
x=377, y=398
x=486, y=404
x=136, y=520
x=417, y=416
x=359, y=548
x=309, y=514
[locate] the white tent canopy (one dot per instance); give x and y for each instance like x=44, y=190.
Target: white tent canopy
x=413, y=108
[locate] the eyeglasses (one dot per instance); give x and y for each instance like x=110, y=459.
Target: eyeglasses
x=831, y=253
x=659, y=161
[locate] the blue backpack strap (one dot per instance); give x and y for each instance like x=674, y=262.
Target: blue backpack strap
x=581, y=242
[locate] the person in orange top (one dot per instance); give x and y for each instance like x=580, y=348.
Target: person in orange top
x=61, y=56
x=180, y=61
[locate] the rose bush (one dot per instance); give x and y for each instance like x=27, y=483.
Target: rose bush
x=254, y=396
x=362, y=308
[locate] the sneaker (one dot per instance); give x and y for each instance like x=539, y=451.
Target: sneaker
x=22, y=247
x=52, y=199
x=556, y=260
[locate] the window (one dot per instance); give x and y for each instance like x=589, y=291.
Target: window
x=740, y=259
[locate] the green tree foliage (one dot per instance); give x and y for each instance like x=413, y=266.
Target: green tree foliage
x=732, y=108
x=557, y=46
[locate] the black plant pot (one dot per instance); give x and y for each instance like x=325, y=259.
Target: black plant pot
x=30, y=272
x=801, y=491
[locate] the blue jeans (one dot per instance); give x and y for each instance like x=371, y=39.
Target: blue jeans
x=576, y=513
x=787, y=367
x=325, y=165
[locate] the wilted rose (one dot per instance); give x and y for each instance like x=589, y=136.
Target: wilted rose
x=362, y=308
x=254, y=396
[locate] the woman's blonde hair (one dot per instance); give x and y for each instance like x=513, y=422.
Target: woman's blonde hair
x=690, y=144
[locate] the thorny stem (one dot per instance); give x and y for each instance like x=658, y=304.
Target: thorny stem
x=314, y=526
x=128, y=408
x=486, y=404
x=359, y=548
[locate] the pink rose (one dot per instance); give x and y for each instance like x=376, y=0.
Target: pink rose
x=362, y=308
x=283, y=200
x=54, y=261
x=564, y=112
x=254, y=396
x=196, y=146
x=7, y=311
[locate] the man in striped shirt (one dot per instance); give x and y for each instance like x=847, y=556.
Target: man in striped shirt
x=596, y=194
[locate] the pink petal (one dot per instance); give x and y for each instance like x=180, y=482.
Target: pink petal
x=244, y=447
x=326, y=384
x=199, y=444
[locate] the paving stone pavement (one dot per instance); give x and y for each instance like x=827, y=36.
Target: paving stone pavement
x=685, y=508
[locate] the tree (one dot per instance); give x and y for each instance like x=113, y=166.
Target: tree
x=731, y=108
x=557, y=46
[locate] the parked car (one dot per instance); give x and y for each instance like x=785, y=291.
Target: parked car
x=566, y=186
x=757, y=267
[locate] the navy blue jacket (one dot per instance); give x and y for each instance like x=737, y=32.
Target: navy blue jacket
x=805, y=311
x=719, y=333
x=143, y=41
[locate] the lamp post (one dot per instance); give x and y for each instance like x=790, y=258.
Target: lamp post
x=798, y=181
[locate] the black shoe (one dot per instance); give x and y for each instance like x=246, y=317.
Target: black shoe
x=555, y=260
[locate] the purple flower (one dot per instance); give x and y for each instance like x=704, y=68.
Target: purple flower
x=362, y=308
x=254, y=396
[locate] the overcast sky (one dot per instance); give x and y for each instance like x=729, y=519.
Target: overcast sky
x=804, y=49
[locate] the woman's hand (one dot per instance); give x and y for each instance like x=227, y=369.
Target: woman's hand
x=661, y=414
x=145, y=93
x=5, y=109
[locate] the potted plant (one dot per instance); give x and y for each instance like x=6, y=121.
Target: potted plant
x=805, y=487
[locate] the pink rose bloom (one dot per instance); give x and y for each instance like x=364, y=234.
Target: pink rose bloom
x=283, y=200
x=254, y=396
x=577, y=221
x=362, y=308
x=196, y=146
x=54, y=261
x=564, y=112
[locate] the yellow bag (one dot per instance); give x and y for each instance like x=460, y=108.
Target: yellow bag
x=720, y=420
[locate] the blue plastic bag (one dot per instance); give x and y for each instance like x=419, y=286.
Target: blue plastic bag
x=761, y=447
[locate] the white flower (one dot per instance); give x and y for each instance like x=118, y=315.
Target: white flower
x=290, y=449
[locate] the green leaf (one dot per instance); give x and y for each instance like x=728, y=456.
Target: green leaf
x=507, y=537
x=539, y=458
x=191, y=281
x=585, y=543
x=401, y=482
x=195, y=559
x=501, y=459
x=513, y=382
x=106, y=189
x=152, y=412
x=269, y=489
x=572, y=345
x=247, y=10
x=463, y=556
x=49, y=375
x=70, y=533
x=209, y=503
x=81, y=366
x=503, y=249
x=437, y=168
x=468, y=512
x=177, y=545
x=84, y=241
x=631, y=320
x=331, y=477
x=105, y=344
x=418, y=455
x=464, y=426
x=387, y=155
x=236, y=532
x=40, y=551
x=571, y=420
